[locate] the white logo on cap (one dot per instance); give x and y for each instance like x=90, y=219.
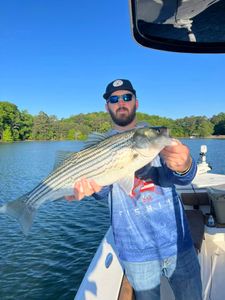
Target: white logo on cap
x=117, y=83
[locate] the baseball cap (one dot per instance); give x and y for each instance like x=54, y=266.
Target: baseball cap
x=118, y=84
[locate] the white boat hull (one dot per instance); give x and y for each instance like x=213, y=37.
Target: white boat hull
x=101, y=282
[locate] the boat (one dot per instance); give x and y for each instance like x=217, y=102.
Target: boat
x=168, y=26
x=105, y=279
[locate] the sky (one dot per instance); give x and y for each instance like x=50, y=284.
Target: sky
x=58, y=56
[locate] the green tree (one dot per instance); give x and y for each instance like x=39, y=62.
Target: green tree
x=203, y=127
x=26, y=125
x=16, y=125
x=218, y=118
x=71, y=134
x=198, y=126
x=42, y=127
x=219, y=128
x=9, y=118
x=7, y=135
x=218, y=121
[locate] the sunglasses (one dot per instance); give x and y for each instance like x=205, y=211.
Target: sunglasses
x=114, y=98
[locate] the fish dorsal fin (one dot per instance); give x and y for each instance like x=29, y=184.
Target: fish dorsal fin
x=94, y=138
x=127, y=184
x=61, y=156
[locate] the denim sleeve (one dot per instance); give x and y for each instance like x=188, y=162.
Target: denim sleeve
x=103, y=193
x=186, y=178
x=161, y=175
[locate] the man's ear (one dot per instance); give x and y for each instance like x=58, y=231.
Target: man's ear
x=137, y=104
x=106, y=107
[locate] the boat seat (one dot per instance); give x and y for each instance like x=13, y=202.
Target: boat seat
x=195, y=199
x=195, y=216
x=196, y=224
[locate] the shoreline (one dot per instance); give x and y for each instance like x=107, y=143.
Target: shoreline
x=213, y=137
x=221, y=137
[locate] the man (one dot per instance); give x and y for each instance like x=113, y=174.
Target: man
x=150, y=228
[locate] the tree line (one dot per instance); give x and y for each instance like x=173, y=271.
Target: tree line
x=16, y=125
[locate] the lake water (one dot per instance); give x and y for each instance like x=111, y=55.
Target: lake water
x=50, y=262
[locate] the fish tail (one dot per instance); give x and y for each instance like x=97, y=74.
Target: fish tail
x=22, y=212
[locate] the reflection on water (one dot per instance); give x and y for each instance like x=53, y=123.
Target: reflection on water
x=50, y=262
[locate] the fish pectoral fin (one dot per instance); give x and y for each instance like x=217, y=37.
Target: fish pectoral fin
x=61, y=156
x=127, y=184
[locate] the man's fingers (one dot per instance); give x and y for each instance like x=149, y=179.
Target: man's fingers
x=96, y=188
x=177, y=156
x=84, y=188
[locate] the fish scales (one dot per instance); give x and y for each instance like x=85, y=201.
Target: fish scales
x=84, y=167
x=112, y=159
x=84, y=155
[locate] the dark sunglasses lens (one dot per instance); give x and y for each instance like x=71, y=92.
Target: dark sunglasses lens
x=127, y=97
x=113, y=99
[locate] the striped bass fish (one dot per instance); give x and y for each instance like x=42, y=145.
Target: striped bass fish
x=106, y=159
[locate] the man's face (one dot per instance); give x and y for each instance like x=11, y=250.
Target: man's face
x=122, y=112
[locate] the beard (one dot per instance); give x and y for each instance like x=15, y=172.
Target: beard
x=124, y=119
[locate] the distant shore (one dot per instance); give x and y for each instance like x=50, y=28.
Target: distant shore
x=216, y=137
x=205, y=137
x=190, y=137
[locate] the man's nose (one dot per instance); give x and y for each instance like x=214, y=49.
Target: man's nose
x=121, y=101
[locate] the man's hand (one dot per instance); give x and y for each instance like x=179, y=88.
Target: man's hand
x=177, y=157
x=83, y=188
